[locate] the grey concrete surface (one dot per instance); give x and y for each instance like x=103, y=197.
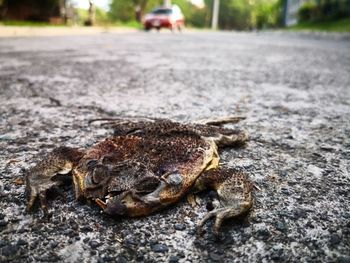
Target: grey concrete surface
x=294, y=90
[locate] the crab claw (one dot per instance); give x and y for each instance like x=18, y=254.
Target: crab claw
x=37, y=184
x=37, y=187
x=49, y=173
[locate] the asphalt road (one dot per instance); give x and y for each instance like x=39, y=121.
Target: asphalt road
x=293, y=88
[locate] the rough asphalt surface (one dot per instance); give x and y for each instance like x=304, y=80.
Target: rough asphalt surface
x=294, y=90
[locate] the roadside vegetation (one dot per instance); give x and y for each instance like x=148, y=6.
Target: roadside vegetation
x=341, y=25
x=234, y=14
x=324, y=15
x=28, y=23
x=320, y=15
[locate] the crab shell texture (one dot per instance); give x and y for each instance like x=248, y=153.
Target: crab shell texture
x=173, y=160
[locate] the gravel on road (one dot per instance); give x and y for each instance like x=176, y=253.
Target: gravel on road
x=294, y=90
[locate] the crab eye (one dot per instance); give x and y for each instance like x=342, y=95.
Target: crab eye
x=116, y=193
x=91, y=164
x=107, y=159
x=100, y=172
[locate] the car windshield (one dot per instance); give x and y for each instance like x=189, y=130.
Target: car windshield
x=162, y=12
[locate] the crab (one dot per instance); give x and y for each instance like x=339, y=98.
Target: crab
x=147, y=165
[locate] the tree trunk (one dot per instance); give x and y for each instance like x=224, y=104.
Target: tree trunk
x=167, y=3
x=215, y=17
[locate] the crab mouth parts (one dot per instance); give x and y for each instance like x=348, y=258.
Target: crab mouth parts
x=103, y=201
x=112, y=206
x=111, y=199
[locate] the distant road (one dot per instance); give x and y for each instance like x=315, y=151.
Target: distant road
x=25, y=31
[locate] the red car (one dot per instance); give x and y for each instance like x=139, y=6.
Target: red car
x=168, y=17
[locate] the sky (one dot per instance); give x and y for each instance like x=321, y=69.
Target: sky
x=105, y=3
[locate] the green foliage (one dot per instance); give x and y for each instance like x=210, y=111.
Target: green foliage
x=29, y=23
x=341, y=25
x=129, y=24
x=234, y=14
x=334, y=9
x=324, y=10
x=121, y=10
x=307, y=12
x=198, y=18
x=102, y=17
x=265, y=14
x=125, y=10
x=279, y=11
x=83, y=15
x=245, y=15
x=194, y=16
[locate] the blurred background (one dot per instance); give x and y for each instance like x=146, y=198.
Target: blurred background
x=332, y=15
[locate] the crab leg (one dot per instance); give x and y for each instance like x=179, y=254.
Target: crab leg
x=45, y=174
x=221, y=120
x=234, y=192
x=100, y=203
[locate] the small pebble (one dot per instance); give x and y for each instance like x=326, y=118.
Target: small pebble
x=264, y=233
x=107, y=259
x=173, y=259
x=22, y=242
x=343, y=259
x=130, y=241
x=335, y=239
x=94, y=244
x=214, y=257
x=121, y=259
x=2, y=243
x=159, y=248
x=86, y=229
x=281, y=226
x=9, y=250
x=54, y=244
x=3, y=223
x=180, y=227
x=140, y=257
